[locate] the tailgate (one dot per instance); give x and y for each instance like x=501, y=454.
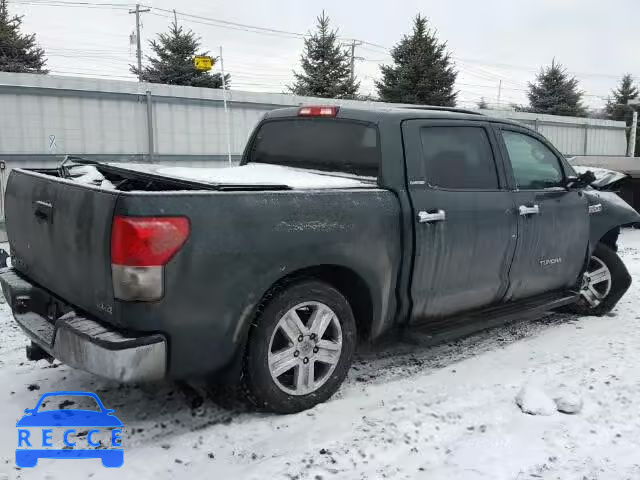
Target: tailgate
x=59, y=235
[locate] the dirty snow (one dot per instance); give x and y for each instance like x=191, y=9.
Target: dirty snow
x=264, y=174
x=406, y=411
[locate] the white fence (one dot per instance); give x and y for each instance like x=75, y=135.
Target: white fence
x=43, y=116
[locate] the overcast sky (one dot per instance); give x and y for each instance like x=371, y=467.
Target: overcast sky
x=490, y=40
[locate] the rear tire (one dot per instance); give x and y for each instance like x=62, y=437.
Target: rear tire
x=596, y=296
x=300, y=347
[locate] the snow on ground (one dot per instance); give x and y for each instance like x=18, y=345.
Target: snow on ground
x=406, y=411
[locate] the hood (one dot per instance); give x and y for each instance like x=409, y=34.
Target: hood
x=605, y=178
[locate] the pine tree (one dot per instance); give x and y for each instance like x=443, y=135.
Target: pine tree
x=422, y=73
x=172, y=62
x=482, y=104
x=617, y=106
x=326, y=67
x=18, y=53
x=555, y=92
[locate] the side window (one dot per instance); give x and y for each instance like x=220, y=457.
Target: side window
x=459, y=158
x=535, y=166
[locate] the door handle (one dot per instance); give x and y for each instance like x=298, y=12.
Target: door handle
x=430, y=217
x=524, y=210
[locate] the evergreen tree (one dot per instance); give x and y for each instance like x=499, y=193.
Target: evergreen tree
x=423, y=72
x=617, y=107
x=18, y=53
x=172, y=62
x=555, y=92
x=482, y=104
x=326, y=67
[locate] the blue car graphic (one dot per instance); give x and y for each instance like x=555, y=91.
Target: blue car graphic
x=28, y=457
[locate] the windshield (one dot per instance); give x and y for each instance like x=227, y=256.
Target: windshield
x=320, y=144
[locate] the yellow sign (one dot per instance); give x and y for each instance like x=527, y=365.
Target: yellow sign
x=203, y=63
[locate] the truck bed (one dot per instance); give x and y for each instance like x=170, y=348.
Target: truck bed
x=241, y=241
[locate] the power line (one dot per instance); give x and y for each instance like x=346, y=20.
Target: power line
x=366, y=45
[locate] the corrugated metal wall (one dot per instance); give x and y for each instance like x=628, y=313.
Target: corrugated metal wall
x=49, y=115
x=44, y=117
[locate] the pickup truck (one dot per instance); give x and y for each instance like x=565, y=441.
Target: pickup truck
x=339, y=226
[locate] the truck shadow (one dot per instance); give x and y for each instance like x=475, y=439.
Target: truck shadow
x=415, y=352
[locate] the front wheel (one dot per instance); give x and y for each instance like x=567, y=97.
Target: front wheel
x=603, y=284
x=300, y=347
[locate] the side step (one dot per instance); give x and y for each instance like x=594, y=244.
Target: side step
x=443, y=330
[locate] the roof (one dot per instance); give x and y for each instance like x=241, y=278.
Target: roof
x=628, y=165
x=401, y=113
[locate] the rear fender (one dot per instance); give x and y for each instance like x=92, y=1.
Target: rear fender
x=607, y=220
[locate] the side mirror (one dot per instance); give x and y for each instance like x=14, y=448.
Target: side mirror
x=583, y=180
x=28, y=410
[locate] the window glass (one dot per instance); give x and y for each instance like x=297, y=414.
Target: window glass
x=459, y=158
x=535, y=166
x=320, y=144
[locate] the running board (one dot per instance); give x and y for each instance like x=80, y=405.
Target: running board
x=443, y=330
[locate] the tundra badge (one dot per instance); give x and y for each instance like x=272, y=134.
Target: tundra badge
x=550, y=261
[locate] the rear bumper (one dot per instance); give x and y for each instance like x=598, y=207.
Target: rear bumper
x=82, y=342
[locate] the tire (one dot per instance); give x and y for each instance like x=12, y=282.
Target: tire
x=620, y=281
x=278, y=365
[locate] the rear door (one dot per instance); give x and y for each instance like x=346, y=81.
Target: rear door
x=59, y=234
x=553, y=221
x=464, y=220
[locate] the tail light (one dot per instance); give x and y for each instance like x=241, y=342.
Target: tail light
x=318, y=111
x=140, y=248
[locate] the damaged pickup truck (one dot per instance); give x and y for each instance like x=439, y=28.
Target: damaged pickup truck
x=340, y=225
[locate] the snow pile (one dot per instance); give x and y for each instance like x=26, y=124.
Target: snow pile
x=535, y=401
x=89, y=175
x=569, y=402
x=265, y=174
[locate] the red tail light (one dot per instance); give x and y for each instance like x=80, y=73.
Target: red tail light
x=147, y=241
x=318, y=111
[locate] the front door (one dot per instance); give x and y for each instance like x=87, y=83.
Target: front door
x=464, y=217
x=553, y=221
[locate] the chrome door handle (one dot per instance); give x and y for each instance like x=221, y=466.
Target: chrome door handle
x=426, y=217
x=524, y=210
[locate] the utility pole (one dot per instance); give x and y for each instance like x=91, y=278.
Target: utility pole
x=138, y=11
x=631, y=147
x=632, y=135
x=354, y=44
x=499, y=92
x=226, y=111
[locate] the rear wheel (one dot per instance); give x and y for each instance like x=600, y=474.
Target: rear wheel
x=300, y=348
x=603, y=284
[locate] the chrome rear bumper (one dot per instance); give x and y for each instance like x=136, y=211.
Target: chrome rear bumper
x=82, y=342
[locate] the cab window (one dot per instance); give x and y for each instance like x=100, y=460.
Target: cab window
x=535, y=166
x=458, y=158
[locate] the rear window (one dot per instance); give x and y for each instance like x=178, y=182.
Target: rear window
x=332, y=145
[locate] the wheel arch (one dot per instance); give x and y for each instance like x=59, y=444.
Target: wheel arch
x=344, y=279
x=610, y=239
